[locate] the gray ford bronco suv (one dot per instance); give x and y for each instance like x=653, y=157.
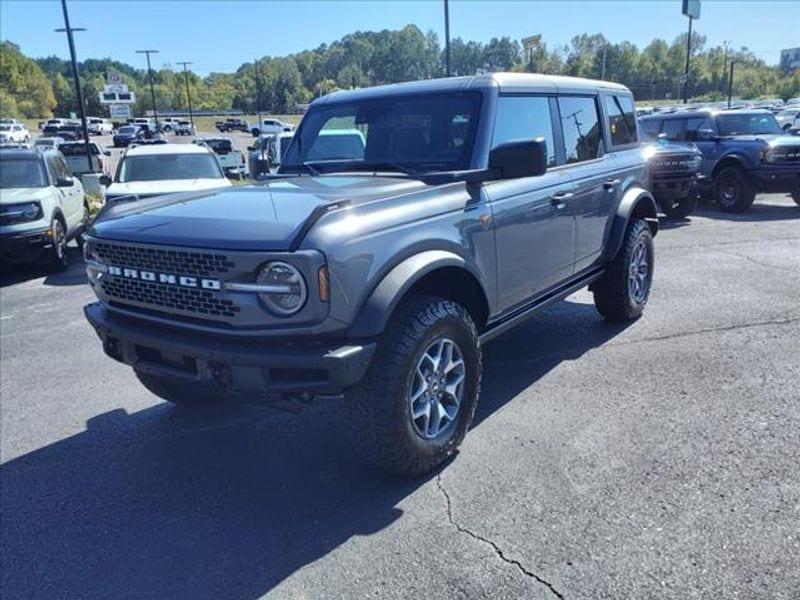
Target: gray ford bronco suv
x=379, y=272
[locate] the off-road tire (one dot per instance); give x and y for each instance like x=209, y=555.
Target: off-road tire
x=612, y=296
x=379, y=408
x=743, y=196
x=178, y=391
x=682, y=209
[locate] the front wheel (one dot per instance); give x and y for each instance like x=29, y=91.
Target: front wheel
x=414, y=406
x=622, y=292
x=796, y=197
x=733, y=190
x=57, y=258
x=682, y=208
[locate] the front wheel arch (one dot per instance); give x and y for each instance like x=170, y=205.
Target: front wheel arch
x=636, y=203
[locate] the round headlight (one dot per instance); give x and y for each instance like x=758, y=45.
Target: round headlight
x=769, y=155
x=289, y=288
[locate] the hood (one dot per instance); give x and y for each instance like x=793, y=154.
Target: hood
x=14, y=195
x=772, y=139
x=668, y=148
x=259, y=217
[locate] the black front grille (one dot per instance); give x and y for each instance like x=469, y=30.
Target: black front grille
x=198, y=264
x=168, y=297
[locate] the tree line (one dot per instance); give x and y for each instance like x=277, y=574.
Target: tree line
x=43, y=86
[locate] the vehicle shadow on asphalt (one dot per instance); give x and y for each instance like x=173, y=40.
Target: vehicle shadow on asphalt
x=165, y=503
x=785, y=210
x=20, y=273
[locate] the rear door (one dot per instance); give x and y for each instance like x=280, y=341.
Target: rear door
x=534, y=225
x=591, y=171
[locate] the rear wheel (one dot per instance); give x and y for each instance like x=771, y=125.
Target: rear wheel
x=417, y=400
x=733, y=190
x=622, y=292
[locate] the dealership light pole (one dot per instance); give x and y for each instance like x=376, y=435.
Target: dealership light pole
x=447, y=37
x=690, y=8
x=78, y=90
x=150, y=77
x=258, y=93
x=730, y=84
x=188, y=94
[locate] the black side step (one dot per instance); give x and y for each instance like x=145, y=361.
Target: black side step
x=531, y=309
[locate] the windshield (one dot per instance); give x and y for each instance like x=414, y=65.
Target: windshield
x=128, y=129
x=220, y=146
x=44, y=142
x=159, y=167
x=22, y=173
x=747, y=124
x=5, y=127
x=422, y=133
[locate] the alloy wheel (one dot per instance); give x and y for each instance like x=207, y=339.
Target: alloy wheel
x=639, y=273
x=437, y=388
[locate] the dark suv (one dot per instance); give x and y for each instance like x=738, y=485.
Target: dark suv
x=451, y=211
x=232, y=125
x=744, y=152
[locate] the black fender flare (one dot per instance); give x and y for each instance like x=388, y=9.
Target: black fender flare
x=374, y=313
x=635, y=200
x=741, y=161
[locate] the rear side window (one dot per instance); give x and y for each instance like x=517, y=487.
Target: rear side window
x=692, y=126
x=651, y=126
x=621, y=120
x=580, y=124
x=524, y=117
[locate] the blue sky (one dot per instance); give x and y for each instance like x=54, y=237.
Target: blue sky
x=219, y=36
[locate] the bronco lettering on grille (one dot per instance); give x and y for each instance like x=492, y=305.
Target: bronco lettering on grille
x=168, y=278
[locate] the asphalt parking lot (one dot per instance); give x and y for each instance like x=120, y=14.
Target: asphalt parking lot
x=657, y=460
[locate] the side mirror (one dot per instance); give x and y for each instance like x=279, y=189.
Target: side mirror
x=65, y=182
x=107, y=152
x=104, y=180
x=705, y=134
x=793, y=131
x=520, y=158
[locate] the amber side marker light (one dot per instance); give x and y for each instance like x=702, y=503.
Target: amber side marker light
x=324, y=284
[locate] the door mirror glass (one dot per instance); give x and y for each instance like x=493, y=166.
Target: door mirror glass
x=104, y=180
x=705, y=134
x=65, y=182
x=519, y=158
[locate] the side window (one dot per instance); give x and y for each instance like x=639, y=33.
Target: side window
x=580, y=124
x=672, y=129
x=524, y=117
x=621, y=120
x=693, y=124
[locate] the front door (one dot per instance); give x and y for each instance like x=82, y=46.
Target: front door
x=534, y=224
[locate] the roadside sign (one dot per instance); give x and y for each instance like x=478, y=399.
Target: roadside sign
x=73, y=115
x=691, y=8
x=120, y=111
x=116, y=92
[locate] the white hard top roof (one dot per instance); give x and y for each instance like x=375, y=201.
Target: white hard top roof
x=146, y=149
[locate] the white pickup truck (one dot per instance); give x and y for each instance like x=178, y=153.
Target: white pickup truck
x=270, y=125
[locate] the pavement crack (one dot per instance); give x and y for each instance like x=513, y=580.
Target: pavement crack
x=754, y=261
x=493, y=545
x=680, y=334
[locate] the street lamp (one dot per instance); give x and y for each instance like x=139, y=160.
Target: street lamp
x=188, y=94
x=150, y=77
x=78, y=90
x=730, y=84
x=447, y=37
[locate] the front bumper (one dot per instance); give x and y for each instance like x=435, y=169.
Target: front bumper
x=674, y=187
x=777, y=178
x=25, y=246
x=249, y=370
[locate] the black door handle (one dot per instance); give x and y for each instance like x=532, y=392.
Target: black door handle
x=559, y=199
x=611, y=184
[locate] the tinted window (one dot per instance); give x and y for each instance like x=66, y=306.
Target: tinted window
x=695, y=123
x=335, y=145
x=581, y=126
x=651, y=126
x=57, y=167
x=621, y=120
x=747, y=124
x=672, y=129
x=524, y=117
x=22, y=173
x=420, y=133
x=158, y=167
x=78, y=149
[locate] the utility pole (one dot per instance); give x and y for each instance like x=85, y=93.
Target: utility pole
x=150, y=77
x=730, y=84
x=724, y=60
x=78, y=90
x=686, y=70
x=188, y=94
x=447, y=36
x=603, y=69
x=258, y=92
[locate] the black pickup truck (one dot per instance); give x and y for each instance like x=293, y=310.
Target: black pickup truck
x=235, y=124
